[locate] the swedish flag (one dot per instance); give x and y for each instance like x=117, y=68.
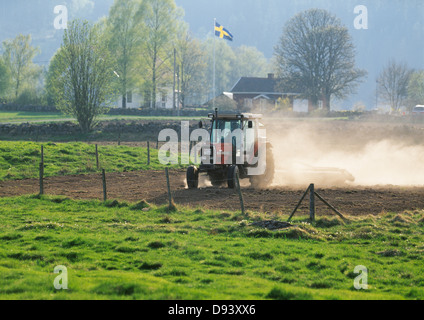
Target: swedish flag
x=222, y=33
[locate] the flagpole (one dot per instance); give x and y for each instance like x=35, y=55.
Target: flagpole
x=214, y=65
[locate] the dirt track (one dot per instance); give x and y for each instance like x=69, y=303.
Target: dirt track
x=151, y=186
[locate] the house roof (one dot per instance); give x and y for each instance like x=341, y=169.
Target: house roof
x=253, y=85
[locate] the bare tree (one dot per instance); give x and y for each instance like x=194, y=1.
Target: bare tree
x=393, y=84
x=81, y=74
x=316, y=55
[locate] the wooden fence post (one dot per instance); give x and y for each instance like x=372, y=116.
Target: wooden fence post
x=41, y=168
x=97, y=158
x=42, y=154
x=312, y=202
x=148, y=153
x=330, y=206
x=169, y=188
x=299, y=203
x=312, y=209
x=104, y=185
x=240, y=194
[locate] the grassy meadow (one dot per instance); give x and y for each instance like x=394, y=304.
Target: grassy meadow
x=20, y=160
x=26, y=116
x=118, y=250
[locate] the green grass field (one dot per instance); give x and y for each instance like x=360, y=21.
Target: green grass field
x=20, y=160
x=23, y=116
x=136, y=251
x=118, y=250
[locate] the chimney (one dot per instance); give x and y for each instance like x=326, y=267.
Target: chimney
x=270, y=76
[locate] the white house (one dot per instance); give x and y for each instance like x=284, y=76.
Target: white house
x=300, y=105
x=135, y=100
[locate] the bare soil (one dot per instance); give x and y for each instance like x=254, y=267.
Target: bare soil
x=151, y=186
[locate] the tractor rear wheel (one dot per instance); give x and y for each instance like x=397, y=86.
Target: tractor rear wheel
x=265, y=180
x=192, y=177
x=233, y=171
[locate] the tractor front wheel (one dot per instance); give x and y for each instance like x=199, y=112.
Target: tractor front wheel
x=265, y=180
x=192, y=177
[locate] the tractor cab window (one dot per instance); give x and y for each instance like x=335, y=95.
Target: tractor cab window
x=222, y=130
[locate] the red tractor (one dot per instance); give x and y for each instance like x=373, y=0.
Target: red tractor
x=237, y=148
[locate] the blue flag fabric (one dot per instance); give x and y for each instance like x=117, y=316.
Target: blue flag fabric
x=222, y=33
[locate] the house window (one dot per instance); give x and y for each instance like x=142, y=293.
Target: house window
x=129, y=97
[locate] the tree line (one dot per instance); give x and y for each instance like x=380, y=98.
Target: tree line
x=139, y=40
x=144, y=46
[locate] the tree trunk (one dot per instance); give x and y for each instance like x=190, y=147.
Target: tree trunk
x=124, y=101
x=85, y=126
x=17, y=88
x=124, y=86
x=327, y=102
x=183, y=91
x=182, y=100
x=154, y=80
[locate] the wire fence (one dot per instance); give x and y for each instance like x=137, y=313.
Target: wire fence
x=237, y=186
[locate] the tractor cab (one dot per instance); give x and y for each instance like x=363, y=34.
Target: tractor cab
x=233, y=135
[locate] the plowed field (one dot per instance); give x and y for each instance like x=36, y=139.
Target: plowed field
x=151, y=186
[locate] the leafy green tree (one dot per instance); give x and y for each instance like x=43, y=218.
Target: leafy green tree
x=316, y=55
x=81, y=74
x=125, y=38
x=18, y=55
x=416, y=88
x=250, y=62
x=161, y=24
x=4, y=79
x=193, y=64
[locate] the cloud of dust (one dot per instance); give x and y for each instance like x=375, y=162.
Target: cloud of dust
x=309, y=153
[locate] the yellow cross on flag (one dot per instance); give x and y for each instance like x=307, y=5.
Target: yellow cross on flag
x=222, y=33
